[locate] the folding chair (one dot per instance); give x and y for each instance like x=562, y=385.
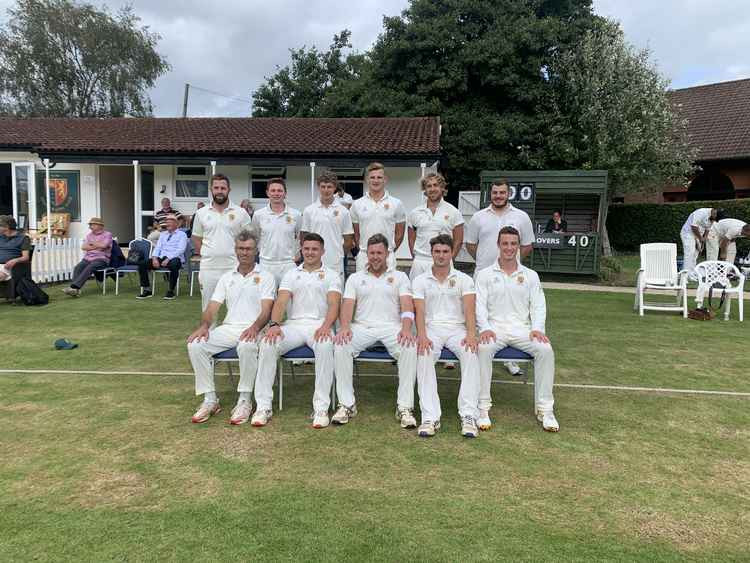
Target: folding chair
x=144, y=247
x=659, y=271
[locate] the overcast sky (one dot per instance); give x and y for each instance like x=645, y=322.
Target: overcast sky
x=228, y=46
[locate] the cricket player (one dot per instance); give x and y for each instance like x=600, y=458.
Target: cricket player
x=330, y=218
x=444, y=305
x=377, y=307
x=483, y=229
x=694, y=234
x=435, y=217
x=278, y=227
x=728, y=231
x=214, y=231
x=511, y=311
x=248, y=293
x=313, y=293
x=377, y=213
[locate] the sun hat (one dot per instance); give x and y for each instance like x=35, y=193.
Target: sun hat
x=96, y=221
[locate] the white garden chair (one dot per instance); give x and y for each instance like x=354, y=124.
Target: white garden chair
x=719, y=276
x=659, y=271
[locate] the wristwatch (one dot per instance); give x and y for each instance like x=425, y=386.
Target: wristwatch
x=273, y=324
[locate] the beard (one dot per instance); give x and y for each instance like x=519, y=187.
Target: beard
x=501, y=206
x=220, y=198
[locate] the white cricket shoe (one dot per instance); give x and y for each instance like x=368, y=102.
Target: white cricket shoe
x=428, y=428
x=343, y=414
x=469, y=427
x=406, y=417
x=320, y=419
x=206, y=411
x=548, y=420
x=241, y=412
x=261, y=417
x=484, y=421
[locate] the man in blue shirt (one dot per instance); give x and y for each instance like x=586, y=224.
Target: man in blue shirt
x=169, y=253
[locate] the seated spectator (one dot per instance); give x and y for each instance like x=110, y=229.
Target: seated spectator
x=98, y=249
x=556, y=224
x=247, y=206
x=153, y=233
x=166, y=209
x=14, y=247
x=169, y=253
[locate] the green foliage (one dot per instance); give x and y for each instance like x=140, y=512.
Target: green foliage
x=612, y=113
x=64, y=58
x=631, y=225
x=609, y=267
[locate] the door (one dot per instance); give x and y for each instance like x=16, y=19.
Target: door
x=24, y=195
x=116, y=201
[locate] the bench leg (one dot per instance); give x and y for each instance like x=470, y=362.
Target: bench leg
x=281, y=385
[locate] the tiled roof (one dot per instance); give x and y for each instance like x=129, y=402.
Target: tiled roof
x=397, y=136
x=718, y=118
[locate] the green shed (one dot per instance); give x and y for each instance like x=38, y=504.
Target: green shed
x=581, y=195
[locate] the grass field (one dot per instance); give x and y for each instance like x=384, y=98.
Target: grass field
x=108, y=467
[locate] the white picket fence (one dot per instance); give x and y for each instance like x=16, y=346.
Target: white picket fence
x=54, y=259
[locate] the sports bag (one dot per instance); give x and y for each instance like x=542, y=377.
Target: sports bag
x=30, y=293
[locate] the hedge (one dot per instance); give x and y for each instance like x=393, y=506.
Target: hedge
x=630, y=225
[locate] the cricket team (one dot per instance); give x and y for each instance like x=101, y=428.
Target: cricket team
x=276, y=305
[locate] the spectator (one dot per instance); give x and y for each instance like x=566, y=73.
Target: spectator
x=154, y=232
x=556, y=224
x=342, y=197
x=166, y=209
x=98, y=249
x=14, y=246
x=169, y=253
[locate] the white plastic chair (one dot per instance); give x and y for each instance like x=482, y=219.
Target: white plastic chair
x=719, y=275
x=659, y=271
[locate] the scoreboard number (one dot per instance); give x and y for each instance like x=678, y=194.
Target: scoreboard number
x=583, y=241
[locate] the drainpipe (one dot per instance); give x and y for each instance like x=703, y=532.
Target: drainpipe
x=49, y=205
x=423, y=166
x=213, y=171
x=312, y=182
x=137, y=232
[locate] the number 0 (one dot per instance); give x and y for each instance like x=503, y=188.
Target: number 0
x=583, y=240
x=526, y=193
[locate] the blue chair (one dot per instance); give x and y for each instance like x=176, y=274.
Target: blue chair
x=142, y=246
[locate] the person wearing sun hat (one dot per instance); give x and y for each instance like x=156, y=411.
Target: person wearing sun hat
x=98, y=248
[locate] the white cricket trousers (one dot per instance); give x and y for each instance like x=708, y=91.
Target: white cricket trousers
x=362, y=260
x=207, y=279
x=295, y=334
x=363, y=337
x=278, y=269
x=689, y=252
x=222, y=338
x=544, y=365
x=712, y=243
x=468, y=393
x=713, y=252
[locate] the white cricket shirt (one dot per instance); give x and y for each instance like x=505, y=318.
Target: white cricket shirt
x=218, y=231
x=310, y=291
x=243, y=294
x=729, y=228
x=331, y=222
x=443, y=301
x=484, y=227
x=700, y=218
x=510, y=301
x=377, y=217
x=377, y=297
x=278, y=233
x=429, y=225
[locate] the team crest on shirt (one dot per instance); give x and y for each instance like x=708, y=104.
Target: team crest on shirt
x=446, y=217
x=321, y=276
x=386, y=206
x=519, y=279
x=256, y=279
x=231, y=216
x=390, y=280
x=452, y=283
x=288, y=218
x=335, y=212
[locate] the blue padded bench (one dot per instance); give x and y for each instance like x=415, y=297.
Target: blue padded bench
x=376, y=353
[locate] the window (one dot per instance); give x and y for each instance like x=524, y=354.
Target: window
x=191, y=181
x=259, y=176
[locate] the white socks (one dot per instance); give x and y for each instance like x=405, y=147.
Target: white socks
x=210, y=397
x=244, y=396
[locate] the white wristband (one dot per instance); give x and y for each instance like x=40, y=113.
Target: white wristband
x=407, y=315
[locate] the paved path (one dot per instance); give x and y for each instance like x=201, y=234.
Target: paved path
x=606, y=288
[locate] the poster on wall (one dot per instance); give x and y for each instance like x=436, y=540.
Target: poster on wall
x=64, y=188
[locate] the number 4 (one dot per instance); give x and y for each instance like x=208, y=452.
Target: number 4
x=572, y=240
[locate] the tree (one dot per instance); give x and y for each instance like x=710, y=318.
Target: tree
x=63, y=58
x=297, y=90
x=611, y=111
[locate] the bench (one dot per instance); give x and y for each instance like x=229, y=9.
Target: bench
x=372, y=354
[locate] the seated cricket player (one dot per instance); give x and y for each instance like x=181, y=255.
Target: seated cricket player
x=444, y=304
x=312, y=294
x=511, y=311
x=377, y=307
x=248, y=293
